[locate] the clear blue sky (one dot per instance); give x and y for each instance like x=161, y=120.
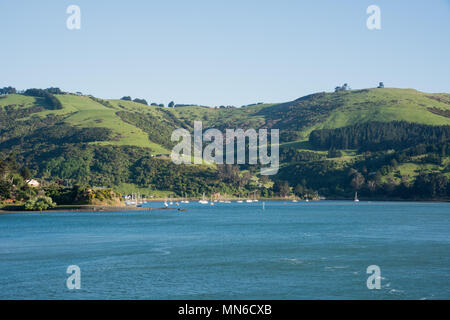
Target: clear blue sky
x=231, y=52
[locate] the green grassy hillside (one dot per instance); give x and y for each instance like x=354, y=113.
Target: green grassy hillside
x=334, y=110
x=84, y=112
x=295, y=119
x=388, y=105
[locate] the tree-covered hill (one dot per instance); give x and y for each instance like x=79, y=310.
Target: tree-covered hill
x=328, y=140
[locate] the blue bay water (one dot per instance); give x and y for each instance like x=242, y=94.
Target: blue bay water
x=315, y=250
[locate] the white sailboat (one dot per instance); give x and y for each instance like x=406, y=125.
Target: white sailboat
x=203, y=201
x=356, y=197
x=139, y=201
x=133, y=201
x=184, y=199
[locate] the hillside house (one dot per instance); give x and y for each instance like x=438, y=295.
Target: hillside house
x=33, y=183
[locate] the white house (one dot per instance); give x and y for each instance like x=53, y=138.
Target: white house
x=33, y=183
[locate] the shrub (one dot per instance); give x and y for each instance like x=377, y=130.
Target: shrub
x=39, y=203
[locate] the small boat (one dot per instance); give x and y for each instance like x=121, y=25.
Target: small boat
x=132, y=200
x=184, y=199
x=166, y=204
x=356, y=197
x=294, y=200
x=249, y=200
x=203, y=201
x=239, y=201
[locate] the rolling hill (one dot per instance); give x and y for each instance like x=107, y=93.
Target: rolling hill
x=135, y=124
x=70, y=142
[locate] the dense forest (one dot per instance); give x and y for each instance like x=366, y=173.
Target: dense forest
x=375, y=175
x=379, y=136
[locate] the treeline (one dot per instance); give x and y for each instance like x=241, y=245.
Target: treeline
x=282, y=188
x=137, y=100
x=379, y=136
x=102, y=102
x=78, y=194
x=294, y=155
x=51, y=101
x=8, y=90
x=57, y=134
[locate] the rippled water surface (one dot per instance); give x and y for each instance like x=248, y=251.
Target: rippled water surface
x=231, y=251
